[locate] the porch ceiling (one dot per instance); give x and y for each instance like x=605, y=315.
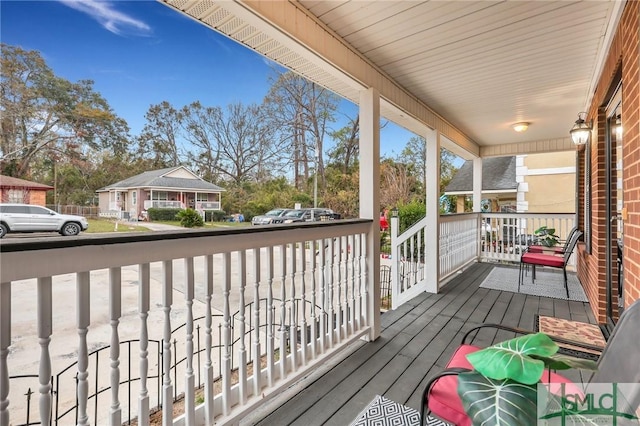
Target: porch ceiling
x=475, y=68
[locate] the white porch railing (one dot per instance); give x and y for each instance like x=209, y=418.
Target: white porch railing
x=407, y=262
x=464, y=238
x=208, y=205
x=503, y=236
x=313, y=280
x=458, y=242
x=162, y=204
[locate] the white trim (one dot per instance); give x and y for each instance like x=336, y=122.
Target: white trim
x=552, y=171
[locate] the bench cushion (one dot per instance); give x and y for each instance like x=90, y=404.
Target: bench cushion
x=444, y=401
x=543, y=259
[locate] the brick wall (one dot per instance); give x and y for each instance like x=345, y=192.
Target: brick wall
x=622, y=60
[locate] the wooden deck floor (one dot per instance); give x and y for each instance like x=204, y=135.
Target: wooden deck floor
x=417, y=340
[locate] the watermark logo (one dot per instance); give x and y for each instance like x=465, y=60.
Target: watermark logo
x=564, y=404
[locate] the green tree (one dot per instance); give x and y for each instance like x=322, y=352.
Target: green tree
x=44, y=114
x=347, y=146
x=159, y=139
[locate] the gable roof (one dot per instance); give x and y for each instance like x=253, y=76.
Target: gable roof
x=498, y=174
x=12, y=182
x=160, y=179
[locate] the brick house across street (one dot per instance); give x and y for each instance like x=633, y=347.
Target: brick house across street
x=14, y=190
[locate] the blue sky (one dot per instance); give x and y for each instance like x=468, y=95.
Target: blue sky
x=140, y=53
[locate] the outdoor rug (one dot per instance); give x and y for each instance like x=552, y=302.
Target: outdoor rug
x=548, y=284
x=384, y=412
x=572, y=330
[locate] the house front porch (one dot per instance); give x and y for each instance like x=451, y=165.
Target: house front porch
x=416, y=342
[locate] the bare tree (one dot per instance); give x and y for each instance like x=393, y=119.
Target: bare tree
x=245, y=142
x=198, y=124
x=301, y=111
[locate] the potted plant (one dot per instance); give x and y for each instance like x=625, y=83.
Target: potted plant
x=547, y=236
x=504, y=381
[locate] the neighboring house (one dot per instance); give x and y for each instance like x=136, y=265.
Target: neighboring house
x=14, y=190
x=499, y=185
x=174, y=187
x=537, y=183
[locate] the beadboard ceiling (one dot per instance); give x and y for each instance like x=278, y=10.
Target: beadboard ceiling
x=480, y=65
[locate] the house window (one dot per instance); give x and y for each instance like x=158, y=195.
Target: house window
x=202, y=197
x=134, y=198
x=160, y=196
x=16, y=196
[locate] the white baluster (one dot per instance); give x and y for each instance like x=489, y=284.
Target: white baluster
x=358, y=274
x=5, y=342
x=293, y=312
x=283, y=312
x=323, y=295
x=303, y=303
x=313, y=318
x=242, y=353
x=257, y=383
x=352, y=256
x=143, y=312
x=270, y=318
x=44, y=338
x=339, y=299
x=83, y=317
x=115, y=312
x=330, y=284
x=167, y=385
x=209, y=391
x=346, y=316
x=189, y=378
x=365, y=278
x=226, y=335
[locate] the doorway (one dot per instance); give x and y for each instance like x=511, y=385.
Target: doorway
x=615, y=210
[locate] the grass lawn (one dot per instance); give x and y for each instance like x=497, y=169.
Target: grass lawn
x=106, y=225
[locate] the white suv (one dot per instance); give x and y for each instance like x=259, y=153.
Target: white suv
x=28, y=218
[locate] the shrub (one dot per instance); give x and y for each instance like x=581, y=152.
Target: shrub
x=214, y=215
x=163, y=214
x=190, y=218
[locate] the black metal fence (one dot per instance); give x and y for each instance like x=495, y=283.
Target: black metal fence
x=65, y=382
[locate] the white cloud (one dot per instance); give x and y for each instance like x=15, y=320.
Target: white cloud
x=111, y=19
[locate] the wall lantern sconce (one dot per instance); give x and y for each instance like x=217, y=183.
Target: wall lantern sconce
x=520, y=127
x=581, y=130
x=618, y=128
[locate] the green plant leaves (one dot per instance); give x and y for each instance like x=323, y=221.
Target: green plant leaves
x=564, y=362
x=497, y=402
x=512, y=359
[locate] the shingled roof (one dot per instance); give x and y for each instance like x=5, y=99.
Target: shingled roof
x=159, y=179
x=498, y=174
x=12, y=182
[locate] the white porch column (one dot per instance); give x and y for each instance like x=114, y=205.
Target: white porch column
x=370, y=197
x=432, y=229
x=477, y=184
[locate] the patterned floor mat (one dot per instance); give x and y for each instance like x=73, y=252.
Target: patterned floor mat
x=572, y=330
x=384, y=412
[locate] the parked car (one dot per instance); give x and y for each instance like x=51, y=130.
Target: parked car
x=309, y=215
x=272, y=216
x=28, y=218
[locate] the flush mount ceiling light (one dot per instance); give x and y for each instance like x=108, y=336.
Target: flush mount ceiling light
x=521, y=126
x=581, y=130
